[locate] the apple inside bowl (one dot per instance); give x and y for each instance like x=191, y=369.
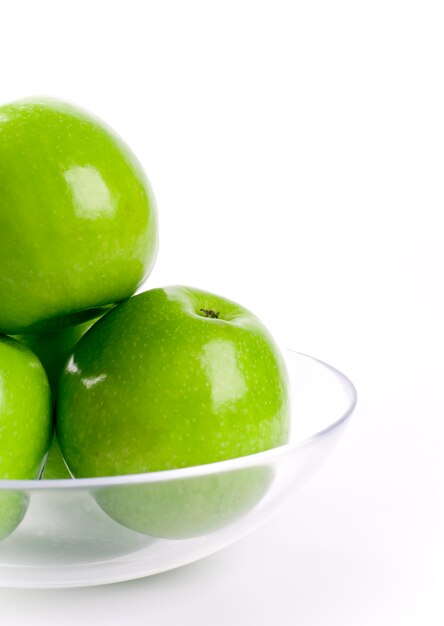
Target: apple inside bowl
x=90, y=531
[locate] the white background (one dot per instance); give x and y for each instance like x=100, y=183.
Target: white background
x=296, y=150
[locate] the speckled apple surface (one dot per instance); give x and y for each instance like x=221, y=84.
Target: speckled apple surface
x=78, y=226
x=26, y=425
x=171, y=378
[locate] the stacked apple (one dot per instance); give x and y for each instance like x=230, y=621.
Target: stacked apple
x=169, y=378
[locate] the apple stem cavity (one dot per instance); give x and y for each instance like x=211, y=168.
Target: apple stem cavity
x=210, y=313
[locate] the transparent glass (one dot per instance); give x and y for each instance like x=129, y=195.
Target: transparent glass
x=102, y=530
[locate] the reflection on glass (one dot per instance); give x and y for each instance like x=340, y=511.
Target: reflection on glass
x=187, y=507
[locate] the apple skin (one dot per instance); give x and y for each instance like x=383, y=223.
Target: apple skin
x=25, y=412
x=78, y=224
x=26, y=425
x=157, y=385
x=53, y=349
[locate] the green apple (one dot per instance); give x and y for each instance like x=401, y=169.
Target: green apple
x=78, y=225
x=26, y=425
x=171, y=378
x=53, y=349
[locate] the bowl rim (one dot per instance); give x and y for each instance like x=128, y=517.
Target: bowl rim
x=50, y=484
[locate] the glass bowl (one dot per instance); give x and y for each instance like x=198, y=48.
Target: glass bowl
x=79, y=532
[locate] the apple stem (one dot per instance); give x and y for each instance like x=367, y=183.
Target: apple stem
x=210, y=313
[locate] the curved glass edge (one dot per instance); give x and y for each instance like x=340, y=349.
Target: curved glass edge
x=259, y=458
